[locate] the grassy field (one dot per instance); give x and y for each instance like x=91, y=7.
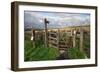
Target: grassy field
x=40, y=52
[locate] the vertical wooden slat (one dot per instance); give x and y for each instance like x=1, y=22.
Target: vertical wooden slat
x=74, y=38
x=81, y=39
x=58, y=38
x=33, y=32
x=46, y=40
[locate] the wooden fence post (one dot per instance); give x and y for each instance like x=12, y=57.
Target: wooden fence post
x=81, y=39
x=33, y=32
x=46, y=32
x=74, y=38
x=58, y=38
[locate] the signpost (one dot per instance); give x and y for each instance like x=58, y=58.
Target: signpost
x=46, y=32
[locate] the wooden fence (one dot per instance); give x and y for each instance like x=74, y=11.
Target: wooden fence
x=57, y=39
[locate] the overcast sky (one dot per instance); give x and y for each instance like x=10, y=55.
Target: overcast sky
x=35, y=19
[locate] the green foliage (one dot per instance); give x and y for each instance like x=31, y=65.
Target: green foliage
x=63, y=36
x=27, y=36
x=77, y=42
x=86, y=44
x=75, y=53
x=39, y=52
x=28, y=44
x=39, y=43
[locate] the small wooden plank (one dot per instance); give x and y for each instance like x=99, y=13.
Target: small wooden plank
x=52, y=38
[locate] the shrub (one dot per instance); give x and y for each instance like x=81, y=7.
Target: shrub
x=75, y=53
x=40, y=52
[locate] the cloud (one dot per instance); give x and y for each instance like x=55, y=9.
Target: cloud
x=33, y=19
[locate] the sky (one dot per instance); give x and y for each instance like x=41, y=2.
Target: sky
x=35, y=19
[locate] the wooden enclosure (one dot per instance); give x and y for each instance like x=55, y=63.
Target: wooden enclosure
x=64, y=38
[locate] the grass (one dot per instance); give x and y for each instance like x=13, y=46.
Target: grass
x=75, y=53
x=40, y=52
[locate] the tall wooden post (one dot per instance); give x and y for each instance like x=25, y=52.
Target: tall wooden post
x=46, y=32
x=74, y=38
x=33, y=34
x=58, y=38
x=81, y=39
